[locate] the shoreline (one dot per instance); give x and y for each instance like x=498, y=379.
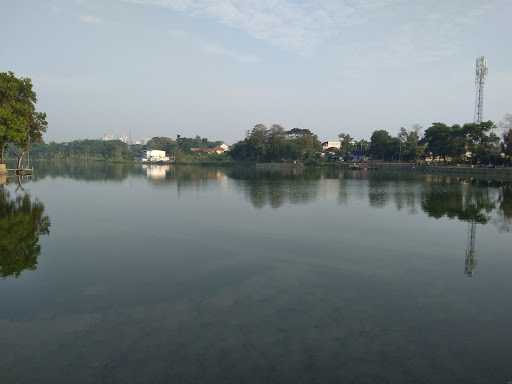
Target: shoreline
x=456, y=170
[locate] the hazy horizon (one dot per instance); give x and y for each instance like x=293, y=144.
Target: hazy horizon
x=217, y=68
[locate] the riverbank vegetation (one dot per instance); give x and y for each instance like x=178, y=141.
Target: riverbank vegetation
x=263, y=144
x=470, y=143
x=20, y=124
x=117, y=151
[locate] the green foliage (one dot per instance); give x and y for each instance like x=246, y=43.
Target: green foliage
x=163, y=144
x=507, y=142
x=117, y=151
x=409, y=142
x=22, y=221
x=264, y=144
x=20, y=124
x=84, y=150
x=455, y=141
x=383, y=146
x=184, y=144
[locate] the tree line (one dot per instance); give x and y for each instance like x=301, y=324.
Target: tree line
x=475, y=143
x=118, y=151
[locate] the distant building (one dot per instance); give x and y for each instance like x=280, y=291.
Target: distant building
x=111, y=137
x=218, y=150
x=336, y=144
x=108, y=137
x=296, y=133
x=141, y=142
x=156, y=156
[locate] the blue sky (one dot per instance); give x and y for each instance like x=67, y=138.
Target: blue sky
x=217, y=67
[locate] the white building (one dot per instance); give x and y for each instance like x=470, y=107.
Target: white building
x=156, y=156
x=331, y=144
x=141, y=141
x=108, y=137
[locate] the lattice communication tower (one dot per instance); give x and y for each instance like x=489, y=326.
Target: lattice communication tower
x=480, y=77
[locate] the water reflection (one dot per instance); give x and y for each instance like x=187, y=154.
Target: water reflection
x=504, y=219
x=185, y=177
x=472, y=201
x=465, y=199
x=22, y=221
x=156, y=172
x=86, y=170
x=275, y=188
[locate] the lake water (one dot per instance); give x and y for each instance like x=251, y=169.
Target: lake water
x=116, y=274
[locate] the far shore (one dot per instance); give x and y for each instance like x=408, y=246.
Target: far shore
x=456, y=169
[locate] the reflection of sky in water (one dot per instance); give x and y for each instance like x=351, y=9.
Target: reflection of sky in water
x=222, y=275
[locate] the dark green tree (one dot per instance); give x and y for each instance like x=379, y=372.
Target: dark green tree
x=444, y=141
x=383, y=146
x=19, y=121
x=162, y=143
x=481, y=141
x=276, y=144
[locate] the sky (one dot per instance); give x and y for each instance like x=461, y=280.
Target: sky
x=215, y=68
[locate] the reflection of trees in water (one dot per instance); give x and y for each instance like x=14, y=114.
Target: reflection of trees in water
x=277, y=187
x=185, y=176
x=504, y=218
x=402, y=188
x=22, y=221
x=469, y=201
x=86, y=170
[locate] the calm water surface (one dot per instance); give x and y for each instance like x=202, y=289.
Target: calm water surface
x=113, y=274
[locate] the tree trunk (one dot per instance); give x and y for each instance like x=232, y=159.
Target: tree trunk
x=2, y=152
x=20, y=159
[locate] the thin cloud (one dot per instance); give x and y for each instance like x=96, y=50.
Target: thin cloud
x=89, y=19
x=298, y=26
x=217, y=49
x=212, y=48
x=302, y=26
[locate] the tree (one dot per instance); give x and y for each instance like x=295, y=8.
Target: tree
x=443, y=141
x=409, y=143
x=383, y=146
x=262, y=144
x=481, y=141
x=437, y=137
x=17, y=111
x=346, y=143
x=506, y=122
x=162, y=143
x=34, y=135
x=506, y=125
